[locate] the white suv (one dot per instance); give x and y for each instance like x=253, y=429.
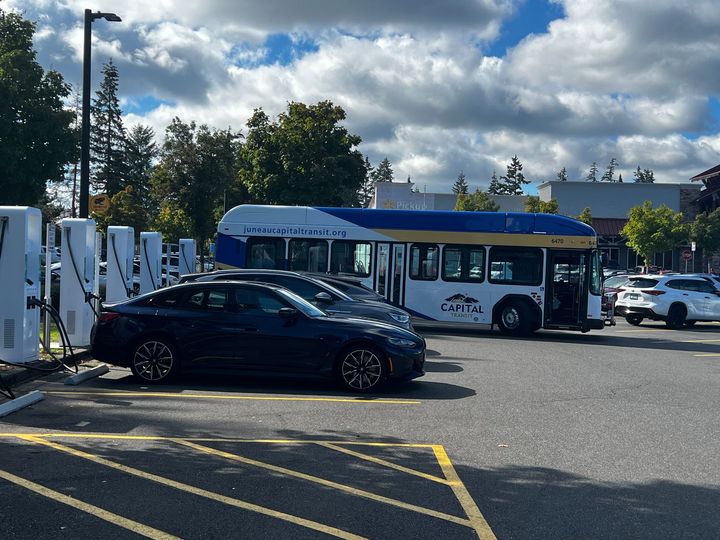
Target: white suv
x=676, y=299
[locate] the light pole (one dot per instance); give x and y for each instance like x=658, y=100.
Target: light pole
x=85, y=141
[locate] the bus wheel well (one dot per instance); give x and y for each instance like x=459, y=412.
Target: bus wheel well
x=528, y=305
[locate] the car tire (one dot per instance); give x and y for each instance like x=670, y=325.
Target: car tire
x=635, y=320
x=154, y=360
x=361, y=368
x=514, y=319
x=690, y=323
x=676, y=316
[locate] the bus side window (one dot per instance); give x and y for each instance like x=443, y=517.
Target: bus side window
x=424, y=262
x=308, y=255
x=350, y=257
x=516, y=266
x=266, y=253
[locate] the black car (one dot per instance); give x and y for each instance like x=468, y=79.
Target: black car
x=315, y=291
x=223, y=326
x=351, y=286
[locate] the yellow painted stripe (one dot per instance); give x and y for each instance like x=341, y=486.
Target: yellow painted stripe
x=490, y=239
x=384, y=463
x=103, y=436
x=327, y=483
x=198, y=491
x=479, y=523
x=701, y=341
x=125, y=523
x=708, y=354
x=362, y=401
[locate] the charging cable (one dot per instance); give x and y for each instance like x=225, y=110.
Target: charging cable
x=147, y=264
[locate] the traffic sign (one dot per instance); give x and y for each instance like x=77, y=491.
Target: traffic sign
x=687, y=254
x=692, y=246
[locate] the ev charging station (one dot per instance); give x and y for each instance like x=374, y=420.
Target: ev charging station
x=187, y=257
x=120, y=252
x=77, y=278
x=150, y=261
x=20, y=238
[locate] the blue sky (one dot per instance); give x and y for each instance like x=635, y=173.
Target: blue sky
x=436, y=87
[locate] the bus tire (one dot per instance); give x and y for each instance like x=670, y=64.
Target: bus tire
x=514, y=318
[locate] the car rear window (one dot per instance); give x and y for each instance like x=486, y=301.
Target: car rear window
x=642, y=283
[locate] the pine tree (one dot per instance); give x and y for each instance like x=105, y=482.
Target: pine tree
x=562, y=175
x=107, y=134
x=494, y=188
x=592, y=174
x=514, y=180
x=620, y=180
x=140, y=153
x=384, y=172
x=460, y=186
x=368, y=187
x=609, y=174
x=644, y=176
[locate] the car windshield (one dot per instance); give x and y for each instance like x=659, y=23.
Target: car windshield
x=301, y=304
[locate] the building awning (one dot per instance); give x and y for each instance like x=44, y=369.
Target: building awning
x=705, y=175
x=608, y=226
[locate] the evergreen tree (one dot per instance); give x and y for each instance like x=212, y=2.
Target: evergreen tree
x=644, y=176
x=592, y=174
x=620, y=180
x=384, y=172
x=514, y=180
x=140, y=153
x=460, y=186
x=609, y=174
x=107, y=135
x=562, y=175
x=494, y=188
x=368, y=187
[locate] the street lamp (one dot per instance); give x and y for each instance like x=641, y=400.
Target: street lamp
x=85, y=141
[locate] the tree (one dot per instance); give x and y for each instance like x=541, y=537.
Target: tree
x=384, y=172
x=644, y=176
x=705, y=231
x=494, y=188
x=585, y=216
x=476, y=202
x=172, y=222
x=514, y=180
x=140, y=152
x=535, y=205
x=609, y=174
x=35, y=128
x=305, y=158
x=620, y=180
x=368, y=187
x=460, y=186
x=592, y=174
x=562, y=175
x=651, y=231
x=107, y=135
x=196, y=167
x=125, y=209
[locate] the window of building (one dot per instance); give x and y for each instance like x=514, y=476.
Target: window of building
x=350, y=257
x=266, y=253
x=308, y=255
x=463, y=263
x=424, y=262
x=516, y=266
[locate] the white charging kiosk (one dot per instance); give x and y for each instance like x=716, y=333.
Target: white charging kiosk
x=120, y=251
x=77, y=279
x=150, y=261
x=187, y=257
x=20, y=240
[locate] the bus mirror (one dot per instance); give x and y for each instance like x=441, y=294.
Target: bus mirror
x=323, y=298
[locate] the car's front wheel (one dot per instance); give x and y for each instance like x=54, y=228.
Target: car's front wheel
x=676, y=316
x=154, y=361
x=361, y=368
x=635, y=320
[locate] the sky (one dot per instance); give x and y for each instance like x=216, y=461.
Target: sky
x=437, y=87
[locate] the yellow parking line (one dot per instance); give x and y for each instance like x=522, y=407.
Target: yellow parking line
x=327, y=483
x=384, y=463
x=708, y=354
x=479, y=523
x=363, y=401
x=120, y=521
x=197, y=491
x=701, y=341
x=634, y=331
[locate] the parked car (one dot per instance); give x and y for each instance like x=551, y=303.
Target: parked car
x=222, y=326
x=351, y=286
x=676, y=299
x=610, y=290
x=317, y=292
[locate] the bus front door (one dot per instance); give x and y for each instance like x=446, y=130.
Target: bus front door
x=566, y=295
x=397, y=275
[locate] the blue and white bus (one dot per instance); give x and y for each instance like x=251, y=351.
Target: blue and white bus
x=519, y=271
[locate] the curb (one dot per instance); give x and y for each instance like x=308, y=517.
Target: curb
x=18, y=375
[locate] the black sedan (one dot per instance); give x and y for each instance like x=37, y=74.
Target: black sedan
x=222, y=326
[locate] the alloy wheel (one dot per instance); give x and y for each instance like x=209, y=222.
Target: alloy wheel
x=361, y=369
x=153, y=361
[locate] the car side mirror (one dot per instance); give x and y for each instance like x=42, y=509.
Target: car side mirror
x=323, y=298
x=288, y=313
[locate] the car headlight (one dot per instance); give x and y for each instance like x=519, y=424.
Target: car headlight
x=400, y=317
x=400, y=342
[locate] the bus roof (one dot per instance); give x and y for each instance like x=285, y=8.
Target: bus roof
x=409, y=220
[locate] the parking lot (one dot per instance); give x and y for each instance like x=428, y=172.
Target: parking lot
x=611, y=434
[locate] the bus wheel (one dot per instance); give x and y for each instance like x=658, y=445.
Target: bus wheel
x=515, y=319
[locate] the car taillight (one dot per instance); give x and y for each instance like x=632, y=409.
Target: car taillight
x=652, y=292
x=109, y=316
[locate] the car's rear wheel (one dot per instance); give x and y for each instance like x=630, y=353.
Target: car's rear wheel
x=676, y=316
x=514, y=319
x=154, y=361
x=635, y=320
x=690, y=323
x=361, y=368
